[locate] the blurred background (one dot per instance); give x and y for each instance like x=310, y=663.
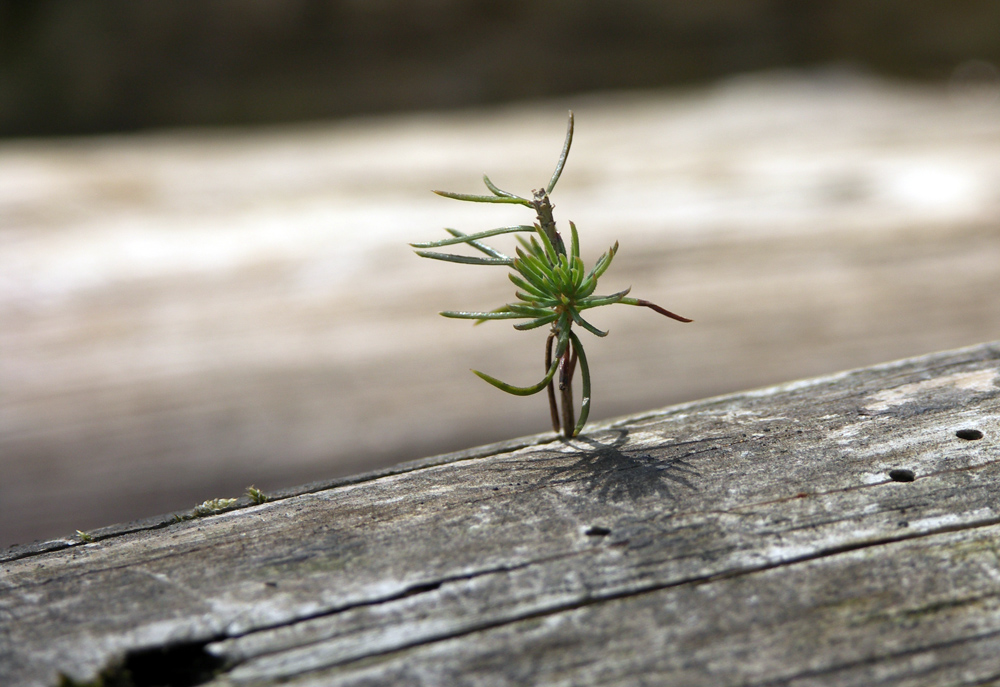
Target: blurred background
x=205, y=206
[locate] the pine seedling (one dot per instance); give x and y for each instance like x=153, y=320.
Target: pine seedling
x=553, y=288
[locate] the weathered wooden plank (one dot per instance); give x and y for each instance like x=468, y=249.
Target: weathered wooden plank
x=890, y=616
x=840, y=530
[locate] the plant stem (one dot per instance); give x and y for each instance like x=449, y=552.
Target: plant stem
x=553, y=408
x=566, y=372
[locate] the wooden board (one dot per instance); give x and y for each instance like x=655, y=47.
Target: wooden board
x=186, y=313
x=836, y=531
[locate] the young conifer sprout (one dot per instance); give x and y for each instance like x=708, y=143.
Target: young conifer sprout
x=553, y=288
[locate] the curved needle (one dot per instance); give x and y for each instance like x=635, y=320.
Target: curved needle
x=562, y=156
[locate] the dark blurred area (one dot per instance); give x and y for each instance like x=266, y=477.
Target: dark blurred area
x=75, y=67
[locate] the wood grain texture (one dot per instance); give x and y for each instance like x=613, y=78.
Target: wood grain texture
x=835, y=531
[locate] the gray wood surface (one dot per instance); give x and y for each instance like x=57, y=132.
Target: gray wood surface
x=186, y=313
x=842, y=530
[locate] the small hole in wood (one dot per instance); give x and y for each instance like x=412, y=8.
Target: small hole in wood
x=969, y=434
x=597, y=531
x=901, y=475
x=178, y=665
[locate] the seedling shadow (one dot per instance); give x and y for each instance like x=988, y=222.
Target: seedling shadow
x=614, y=473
